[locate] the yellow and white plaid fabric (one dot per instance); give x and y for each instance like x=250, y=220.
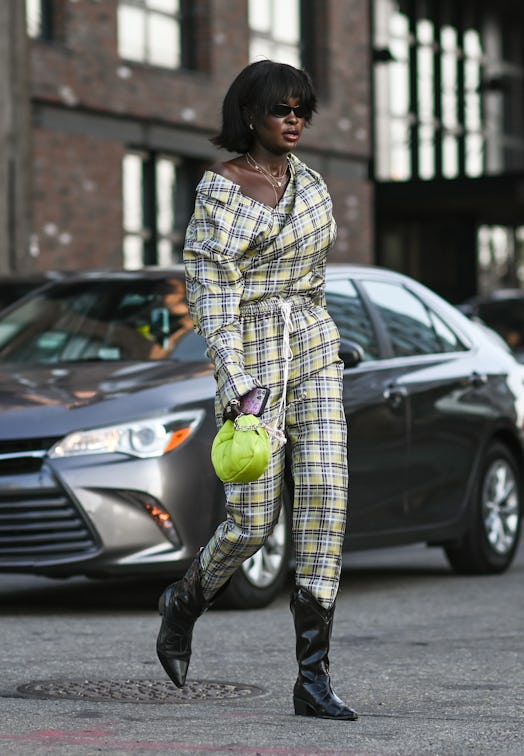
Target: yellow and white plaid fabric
x=243, y=260
x=316, y=431
x=239, y=252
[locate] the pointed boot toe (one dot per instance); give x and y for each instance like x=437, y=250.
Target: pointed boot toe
x=311, y=709
x=179, y=606
x=316, y=698
x=173, y=645
x=176, y=669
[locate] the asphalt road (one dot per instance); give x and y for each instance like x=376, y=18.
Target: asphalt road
x=432, y=662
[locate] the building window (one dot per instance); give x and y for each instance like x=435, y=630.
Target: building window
x=157, y=32
x=440, y=80
x=473, y=114
x=39, y=18
x=500, y=258
x=293, y=32
x=274, y=30
x=157, y=200
x=393, y=112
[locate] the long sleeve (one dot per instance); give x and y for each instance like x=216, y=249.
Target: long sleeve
x=214, y=291
x=239, y=252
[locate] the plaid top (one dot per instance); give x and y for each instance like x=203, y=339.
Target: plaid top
x=241, y=255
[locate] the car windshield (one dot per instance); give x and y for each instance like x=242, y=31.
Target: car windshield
x=118, y=319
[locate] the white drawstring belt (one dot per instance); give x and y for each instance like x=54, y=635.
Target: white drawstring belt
x=277, y=431
x=285, y=308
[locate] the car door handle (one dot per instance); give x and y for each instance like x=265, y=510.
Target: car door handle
x=394, y=395
x=477, y=380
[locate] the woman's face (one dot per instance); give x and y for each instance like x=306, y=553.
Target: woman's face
x=175, y=300
x=280, y=133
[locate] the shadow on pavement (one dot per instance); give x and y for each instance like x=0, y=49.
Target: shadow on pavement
x=363, y=571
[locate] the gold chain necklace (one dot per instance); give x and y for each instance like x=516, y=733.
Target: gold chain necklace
x=275, y=181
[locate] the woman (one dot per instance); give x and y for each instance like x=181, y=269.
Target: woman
x=179, y=320
x=255, y=256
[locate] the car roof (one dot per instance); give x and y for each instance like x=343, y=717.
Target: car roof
x=148, y=273
x=354, y=269
x=153, y=273
x=156, y=272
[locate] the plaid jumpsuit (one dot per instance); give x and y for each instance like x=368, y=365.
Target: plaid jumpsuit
x=255, y=284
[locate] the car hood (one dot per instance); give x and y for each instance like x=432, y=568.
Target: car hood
x=52, y=401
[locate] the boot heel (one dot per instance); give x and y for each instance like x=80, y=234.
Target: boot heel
x=302, y=709
x=313, y=694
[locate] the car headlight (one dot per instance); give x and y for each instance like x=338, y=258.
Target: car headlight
x=152, y=437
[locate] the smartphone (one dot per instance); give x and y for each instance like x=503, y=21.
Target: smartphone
x=255, y=401
x=159, y=323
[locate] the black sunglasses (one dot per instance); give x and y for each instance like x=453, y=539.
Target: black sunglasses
x=281, y=110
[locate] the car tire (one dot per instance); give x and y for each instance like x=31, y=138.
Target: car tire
x=490, y=544
x=261, y=578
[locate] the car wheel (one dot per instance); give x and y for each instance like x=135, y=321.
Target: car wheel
x=261, y=577
x=491, y=542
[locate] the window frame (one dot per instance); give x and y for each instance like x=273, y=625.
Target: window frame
x=312, y=46
x=273, y=47
x=45, y=30
x=466, y=126
x=185, y=21
x=375, y=325
x=147, y=232
x=388, y=352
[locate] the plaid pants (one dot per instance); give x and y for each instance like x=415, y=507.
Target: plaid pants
x=315, y=425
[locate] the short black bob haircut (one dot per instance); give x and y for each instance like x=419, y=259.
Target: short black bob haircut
x=253, y=94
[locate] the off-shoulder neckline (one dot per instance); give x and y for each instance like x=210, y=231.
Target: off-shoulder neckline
x=238, y=190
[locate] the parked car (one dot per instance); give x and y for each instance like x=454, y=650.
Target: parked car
x=503, y=311
x=107, y=419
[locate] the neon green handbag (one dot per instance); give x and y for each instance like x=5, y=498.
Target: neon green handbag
x=241, y=450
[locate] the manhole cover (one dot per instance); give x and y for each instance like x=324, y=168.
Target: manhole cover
x=136, y=691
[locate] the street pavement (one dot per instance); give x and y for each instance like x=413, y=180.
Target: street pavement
x=433, y=663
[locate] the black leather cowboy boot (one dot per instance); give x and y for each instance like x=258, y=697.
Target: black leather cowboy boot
x=180, y=606
x=313, y=695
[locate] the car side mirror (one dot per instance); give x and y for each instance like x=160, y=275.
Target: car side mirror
x=350, y=353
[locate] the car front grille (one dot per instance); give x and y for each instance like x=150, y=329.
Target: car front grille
x=37, y=523
x=23, y=455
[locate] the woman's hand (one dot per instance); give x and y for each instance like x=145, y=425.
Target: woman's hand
x=232, y=410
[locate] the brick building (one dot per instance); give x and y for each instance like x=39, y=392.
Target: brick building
x=419, y=135
x=449, y=142
x=125, y=96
